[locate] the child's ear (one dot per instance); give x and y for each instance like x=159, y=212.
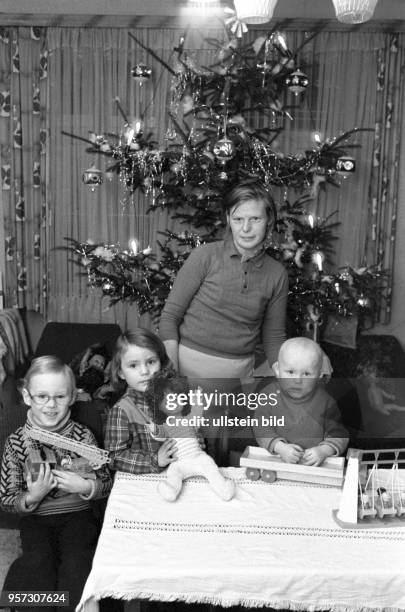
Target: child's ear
x=276, y=369
x=74, y=397
x=26, y=397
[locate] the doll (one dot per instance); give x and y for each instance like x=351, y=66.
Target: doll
x=171, y=420
x=379, y=399
x=89, y=370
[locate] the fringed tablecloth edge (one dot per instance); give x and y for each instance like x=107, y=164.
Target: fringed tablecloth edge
x=237, y=601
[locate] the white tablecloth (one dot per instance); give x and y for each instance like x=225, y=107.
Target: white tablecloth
x=272, y=545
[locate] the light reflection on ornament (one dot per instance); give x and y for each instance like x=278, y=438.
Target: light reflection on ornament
x=311, y=221
x=141, y=73
x=108, y=287
x=296, y=81
x=93, y=177
x=364, y=301
x=345, y=165
x=224, y=150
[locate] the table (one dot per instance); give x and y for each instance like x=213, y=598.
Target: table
x=272, y=545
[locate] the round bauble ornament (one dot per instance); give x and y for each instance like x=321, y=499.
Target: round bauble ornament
x=363, y=301
x=108, y=287
x=296, y=81
x=224, y=150
x=345, y=165
x=141, y=73
x=93, y=177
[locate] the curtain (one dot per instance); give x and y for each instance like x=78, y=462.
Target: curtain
x=384, y=184
x=342, y=71
x=24, y=179
x=89, y=69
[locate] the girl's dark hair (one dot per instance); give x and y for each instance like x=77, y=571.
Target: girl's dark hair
x=159, y=386
x=139, y=337
x=251, y=189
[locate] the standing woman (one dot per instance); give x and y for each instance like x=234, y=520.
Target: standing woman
x=229, y=295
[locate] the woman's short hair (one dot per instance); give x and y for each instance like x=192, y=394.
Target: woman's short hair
x=250, y=189
x=139, y=337
x=49, y=364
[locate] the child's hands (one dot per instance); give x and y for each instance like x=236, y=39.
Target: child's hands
x=71, y=482
x=317, y=454
x=39, y=488
x=289, y=453
x=167, y=453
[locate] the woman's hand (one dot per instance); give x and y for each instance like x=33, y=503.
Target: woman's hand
x=39, y=488
x=71, y=482
x=172, y=350
x=167, y=453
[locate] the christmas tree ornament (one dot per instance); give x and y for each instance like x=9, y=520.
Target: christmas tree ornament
x=363, y=301
x=141, y=73
x=93, y=177
x=345, y=165
x=108, y=287
x=297, y=81
x=255, y=11
x=224, y=150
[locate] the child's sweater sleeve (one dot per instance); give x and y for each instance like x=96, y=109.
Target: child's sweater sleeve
x=12, y=482
x=335, y=434
x=132, y=448
x=103, y=482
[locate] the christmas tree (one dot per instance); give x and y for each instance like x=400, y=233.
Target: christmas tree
x=224, y=122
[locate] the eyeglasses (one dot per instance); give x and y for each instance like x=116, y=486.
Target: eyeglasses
x=42, y=398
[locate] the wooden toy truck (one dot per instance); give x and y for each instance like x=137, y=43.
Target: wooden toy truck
x=260, y=463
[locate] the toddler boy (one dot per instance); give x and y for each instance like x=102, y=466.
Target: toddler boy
x=312, y=428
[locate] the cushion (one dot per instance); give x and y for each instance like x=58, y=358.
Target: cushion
x=66, y=340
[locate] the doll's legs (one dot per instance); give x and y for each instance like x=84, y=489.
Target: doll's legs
x=222, y=486
x=171, y=487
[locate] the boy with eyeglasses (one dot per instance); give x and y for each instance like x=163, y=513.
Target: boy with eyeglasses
x=58, y=528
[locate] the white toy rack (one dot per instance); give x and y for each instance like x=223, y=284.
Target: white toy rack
x=94, y=455
x=374, y=488
x=260, y=463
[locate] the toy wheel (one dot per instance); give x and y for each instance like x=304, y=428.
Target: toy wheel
x=269, y=475
x=252, y=474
